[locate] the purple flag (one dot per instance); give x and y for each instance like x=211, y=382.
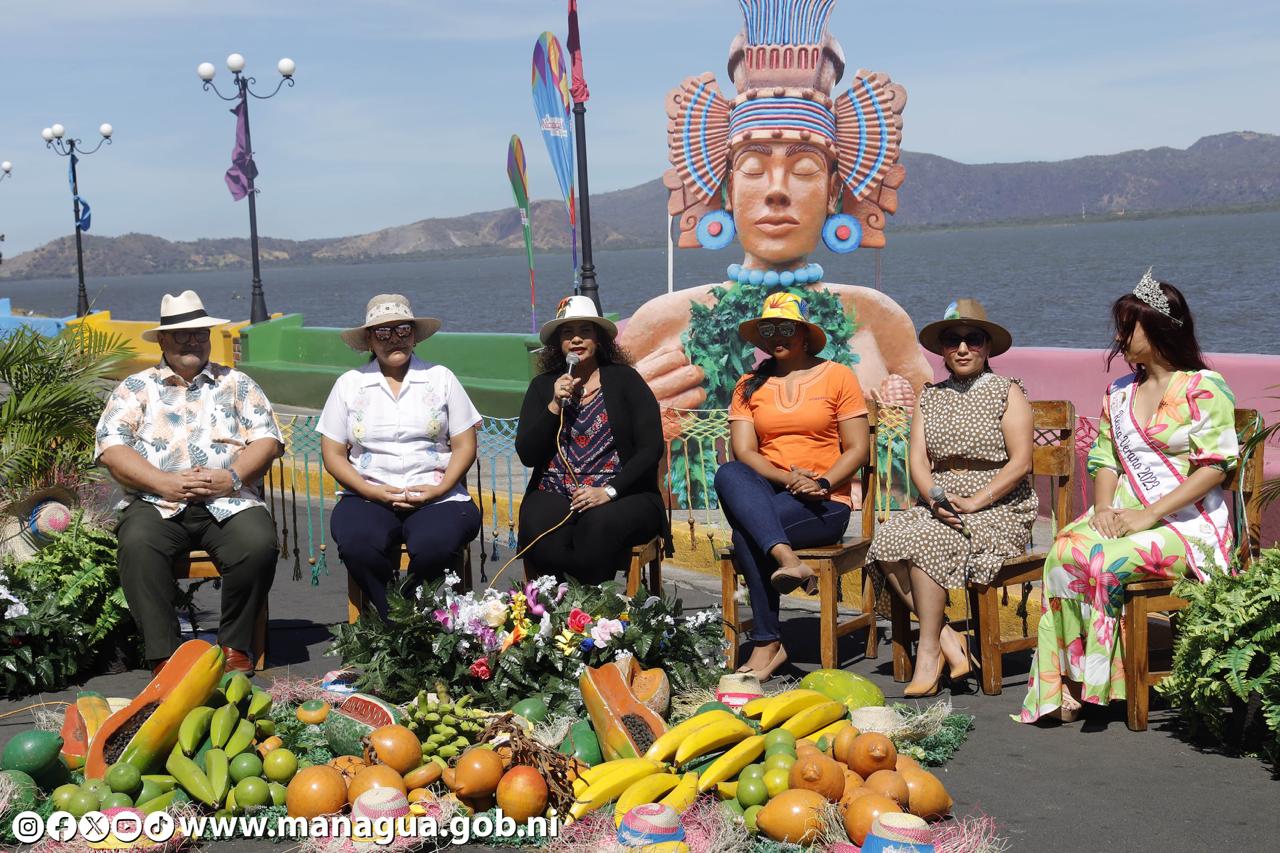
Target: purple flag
x=243, y=170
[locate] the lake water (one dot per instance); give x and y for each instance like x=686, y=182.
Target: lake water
x=1052, y=285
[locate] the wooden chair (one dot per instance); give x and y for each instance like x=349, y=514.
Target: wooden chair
x=645, y=568
x=357, y=601
x=1054, y=421
x=832, y=563
x=1147, y=597
x=198, y=565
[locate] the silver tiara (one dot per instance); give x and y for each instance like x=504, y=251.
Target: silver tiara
x=1148, y=290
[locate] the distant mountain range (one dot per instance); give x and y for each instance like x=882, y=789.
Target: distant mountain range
x=1226, y=171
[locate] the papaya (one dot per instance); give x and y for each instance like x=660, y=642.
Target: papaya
x=75, y=737
x=625, y=727
x=149, y=724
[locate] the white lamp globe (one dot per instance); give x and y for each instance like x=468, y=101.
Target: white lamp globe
x=106, y=130
x=205, y=71
x=235, y=63
x=57, y=130
x=6, y=167
x=286, y=67
x=47, y=134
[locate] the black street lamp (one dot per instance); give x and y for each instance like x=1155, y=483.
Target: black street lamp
x=56, y=139
x=6, y=171
x=242, y=158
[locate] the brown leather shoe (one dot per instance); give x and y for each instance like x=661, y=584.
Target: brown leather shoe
x=237, y=661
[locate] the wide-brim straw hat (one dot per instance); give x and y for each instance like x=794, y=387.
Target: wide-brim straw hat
x=386, y=309
x=966, y=312
x=46, y=511
x=184, y=311
x=780, y=307
x=570, y=310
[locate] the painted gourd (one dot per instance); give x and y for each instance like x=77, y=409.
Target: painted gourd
x=625, y=727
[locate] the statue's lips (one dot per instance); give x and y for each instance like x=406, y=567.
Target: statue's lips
x=777, y=225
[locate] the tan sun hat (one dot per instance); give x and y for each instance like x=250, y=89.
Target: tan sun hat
x=184, y=311
x=384, y=309
x=966, y=312
x=573, y=308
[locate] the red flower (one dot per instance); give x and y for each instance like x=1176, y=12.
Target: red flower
x=480, y=669
x=579, y=620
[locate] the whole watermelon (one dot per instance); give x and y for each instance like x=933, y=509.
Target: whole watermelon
x=855, y=691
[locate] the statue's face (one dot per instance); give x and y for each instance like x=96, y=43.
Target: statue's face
x=780, y=194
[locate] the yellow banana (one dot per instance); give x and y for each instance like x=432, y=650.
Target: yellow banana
x=712, y=738
x=815, y=717
x=683, y=795
x=786, y=705
x=646, y=790
x=610, y=787
x=666, y=745
x=731, y=763
x=591, y=775
x=727, y=790
x=579, y=785
x=755, y=707
x=827, y=732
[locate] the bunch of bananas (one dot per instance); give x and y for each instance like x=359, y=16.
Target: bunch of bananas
x=445, y=728
x=803, y=713
x=631, y=782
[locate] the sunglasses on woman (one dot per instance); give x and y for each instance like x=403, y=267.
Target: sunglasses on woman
x=952, y=340
x=383, y=333
x=784, y=329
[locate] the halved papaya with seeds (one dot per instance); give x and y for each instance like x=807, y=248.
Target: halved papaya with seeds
x=625, y=727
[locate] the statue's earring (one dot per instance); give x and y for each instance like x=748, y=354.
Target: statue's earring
x=842, y=233
x=716, y=230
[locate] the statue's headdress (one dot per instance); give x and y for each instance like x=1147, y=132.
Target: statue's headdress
x=785, y=67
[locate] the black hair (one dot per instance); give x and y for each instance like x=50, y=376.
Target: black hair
x=1174, y=341
x=551, y=359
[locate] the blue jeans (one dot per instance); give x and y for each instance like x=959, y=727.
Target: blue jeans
x=762, y=516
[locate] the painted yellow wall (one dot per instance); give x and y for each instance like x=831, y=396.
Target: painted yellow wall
x=222, y=339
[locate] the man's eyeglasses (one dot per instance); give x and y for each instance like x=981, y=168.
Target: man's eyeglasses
x=784, y=329
x=383, y=333
x=952, y=340
x=186, y=336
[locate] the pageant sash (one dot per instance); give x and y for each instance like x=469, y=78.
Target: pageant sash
x=1206, y=523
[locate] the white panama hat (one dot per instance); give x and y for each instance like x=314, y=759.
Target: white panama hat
x=573, y=308
x=184, y=311
x=386, y=308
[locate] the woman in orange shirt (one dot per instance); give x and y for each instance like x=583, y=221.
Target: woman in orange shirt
x=798, y=427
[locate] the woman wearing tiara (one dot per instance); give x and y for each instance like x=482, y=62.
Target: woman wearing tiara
x=1166, y=442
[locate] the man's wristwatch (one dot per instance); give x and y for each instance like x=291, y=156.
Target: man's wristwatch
x=611, y=492
x=236, y=483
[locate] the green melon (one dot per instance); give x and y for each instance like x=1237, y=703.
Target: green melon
x=532, y=709
x=849, y=688
x=582, y=743
x=36, y=753
x=358, y=715
x=24, y=793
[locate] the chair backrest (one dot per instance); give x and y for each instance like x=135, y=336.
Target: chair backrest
x=1053, y=454
x=1245, y=484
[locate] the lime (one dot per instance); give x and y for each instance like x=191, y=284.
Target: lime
x=244, y=765
x=278, y=793
x=98, y=787
x=123, y=779
x=749, y=817
x=751, y=771
x=752, y=792
x=82, y=802
x=279, y=765
x=252, y=791
x=776, y=781
x=116, y=800
x=779, y=749
x=781, y=760
x=62, y=795
x=778, y=736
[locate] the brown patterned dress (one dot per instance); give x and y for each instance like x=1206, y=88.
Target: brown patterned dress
x=961, y=422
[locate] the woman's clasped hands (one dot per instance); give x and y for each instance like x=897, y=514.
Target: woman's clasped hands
x=1116, y=523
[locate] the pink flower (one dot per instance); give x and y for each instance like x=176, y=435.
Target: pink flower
x=579, y=620
x=480, y=669
x=1091, y=580
x=1075, y=651
x=605, y=630
x=1104, y=627
x=1154, y=562
x=446, y=617
x=1195, y=392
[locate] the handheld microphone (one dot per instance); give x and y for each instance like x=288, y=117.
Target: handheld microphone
x=571, y=361
x=939, y=496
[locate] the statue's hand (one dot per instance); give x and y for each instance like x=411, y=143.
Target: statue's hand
x=673, y=379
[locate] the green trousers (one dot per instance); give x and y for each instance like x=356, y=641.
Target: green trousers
x=243, y=547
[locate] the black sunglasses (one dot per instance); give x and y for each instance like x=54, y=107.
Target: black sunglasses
x=187, y=336
x=784, y=329
x=383, y=333
x=951, y=340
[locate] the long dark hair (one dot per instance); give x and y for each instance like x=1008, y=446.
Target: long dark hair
x=1175, y=343
x=764, y=371
x=551, y=360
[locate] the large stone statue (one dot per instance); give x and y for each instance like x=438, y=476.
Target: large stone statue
x=783, y=164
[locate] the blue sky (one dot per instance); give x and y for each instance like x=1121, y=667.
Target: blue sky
x=403, y=108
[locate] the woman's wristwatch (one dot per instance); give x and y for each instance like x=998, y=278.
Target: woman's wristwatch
x=611, y=492
x=824, y=483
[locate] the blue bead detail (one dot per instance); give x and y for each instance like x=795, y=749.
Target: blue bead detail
x=815, y=273
x=802, y=275
x=757, y=277
x=833, y=224
x=715, y=241
x=787, y=278
x=771, y=278
x=744, y=276
x=735, y=270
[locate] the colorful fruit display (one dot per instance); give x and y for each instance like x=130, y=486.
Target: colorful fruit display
x=625, y=726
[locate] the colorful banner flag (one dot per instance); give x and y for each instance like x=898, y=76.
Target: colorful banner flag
x=519, y=177
x=243, y=170
x=581, y=94
x=551, y=104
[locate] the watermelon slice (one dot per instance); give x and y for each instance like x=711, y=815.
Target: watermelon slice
x=358, y=715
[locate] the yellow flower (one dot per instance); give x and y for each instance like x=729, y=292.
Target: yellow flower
x=567, y=642
x=519, y=604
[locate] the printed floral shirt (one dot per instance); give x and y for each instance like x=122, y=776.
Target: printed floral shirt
x=400, y=441
x=176, y=426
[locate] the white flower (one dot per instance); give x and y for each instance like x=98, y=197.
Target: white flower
x=605, y=630
x=494, y=613
x=545, y=627
x=451, y=579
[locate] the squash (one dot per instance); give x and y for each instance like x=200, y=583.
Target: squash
x=625, y=727
x=793, y=816
x=928, y=797
x=651, y=687
x=815, y=772
x=889, y=783
x=872, y=751
x=862, y=812
x=153, y=717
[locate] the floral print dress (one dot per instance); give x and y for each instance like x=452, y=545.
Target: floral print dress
x=1085, y=573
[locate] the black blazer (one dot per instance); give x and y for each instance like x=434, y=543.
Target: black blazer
x=633, y=417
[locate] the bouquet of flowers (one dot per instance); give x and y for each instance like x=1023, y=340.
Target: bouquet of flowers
x=532, y=639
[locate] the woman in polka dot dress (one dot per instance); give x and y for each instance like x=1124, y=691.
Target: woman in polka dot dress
x=971, y=437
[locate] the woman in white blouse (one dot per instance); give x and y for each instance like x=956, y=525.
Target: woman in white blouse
x=399, y=435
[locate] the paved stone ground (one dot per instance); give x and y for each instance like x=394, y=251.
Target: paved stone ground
x=1057, y=789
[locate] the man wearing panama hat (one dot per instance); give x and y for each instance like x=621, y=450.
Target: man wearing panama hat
x=189, y=441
